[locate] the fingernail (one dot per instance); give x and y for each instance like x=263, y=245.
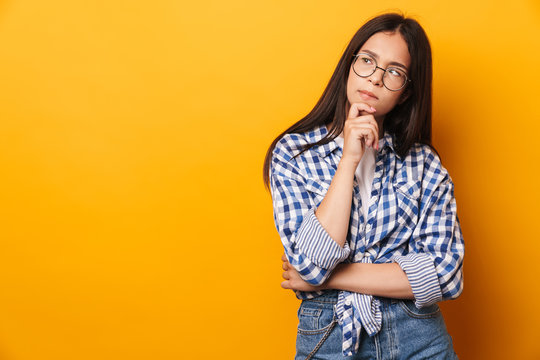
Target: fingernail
x=373, y=109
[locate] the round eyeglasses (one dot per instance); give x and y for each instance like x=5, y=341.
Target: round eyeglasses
x=394, y=78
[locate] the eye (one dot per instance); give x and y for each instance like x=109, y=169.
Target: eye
x=395, y=72
x=366, y=60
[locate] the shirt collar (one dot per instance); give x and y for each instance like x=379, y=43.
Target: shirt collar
x=326, y=149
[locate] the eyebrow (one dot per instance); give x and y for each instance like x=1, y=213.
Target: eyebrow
x=390, y=63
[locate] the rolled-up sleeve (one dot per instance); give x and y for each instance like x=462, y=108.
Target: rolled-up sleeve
x=434, y=264
x=308, y=247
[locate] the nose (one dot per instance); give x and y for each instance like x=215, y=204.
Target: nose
x=376, y=77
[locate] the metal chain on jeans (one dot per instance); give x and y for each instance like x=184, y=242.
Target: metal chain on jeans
x=326, y=334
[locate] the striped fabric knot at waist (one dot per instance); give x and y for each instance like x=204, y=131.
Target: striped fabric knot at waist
x=355, y=311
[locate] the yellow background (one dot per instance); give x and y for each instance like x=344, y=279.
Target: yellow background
x=134, y=223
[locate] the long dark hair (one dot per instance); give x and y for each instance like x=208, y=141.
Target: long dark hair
x=409, y=121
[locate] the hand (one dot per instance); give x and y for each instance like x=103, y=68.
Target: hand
x=293, y=280
x=360, y=130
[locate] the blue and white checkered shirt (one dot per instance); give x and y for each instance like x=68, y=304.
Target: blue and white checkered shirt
x=412, y=220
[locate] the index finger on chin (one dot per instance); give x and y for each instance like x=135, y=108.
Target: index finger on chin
x=357, y=109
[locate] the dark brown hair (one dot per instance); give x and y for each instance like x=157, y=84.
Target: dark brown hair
x=409, y=122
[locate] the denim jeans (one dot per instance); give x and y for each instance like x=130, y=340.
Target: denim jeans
x=407, y=333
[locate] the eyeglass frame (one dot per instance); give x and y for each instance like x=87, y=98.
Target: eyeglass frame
x=375, y=69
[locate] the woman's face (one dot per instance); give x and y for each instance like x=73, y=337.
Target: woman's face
x=386, y=48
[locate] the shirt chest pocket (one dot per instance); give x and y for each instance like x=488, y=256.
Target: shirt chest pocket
x=408, y=202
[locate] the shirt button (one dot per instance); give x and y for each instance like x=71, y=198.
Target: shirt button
x=368, y=227
x=348, y=302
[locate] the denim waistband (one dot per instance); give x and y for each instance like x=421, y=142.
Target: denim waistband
x=331, y=296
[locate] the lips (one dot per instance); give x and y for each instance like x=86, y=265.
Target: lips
x=367, y=94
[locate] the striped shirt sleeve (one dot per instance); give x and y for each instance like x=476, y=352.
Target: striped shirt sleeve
x=308, y=247
x=434, y=267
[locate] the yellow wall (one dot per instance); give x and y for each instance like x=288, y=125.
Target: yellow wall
x=134, y=223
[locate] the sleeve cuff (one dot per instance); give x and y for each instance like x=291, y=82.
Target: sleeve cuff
x=420, y=271
x=313, y=240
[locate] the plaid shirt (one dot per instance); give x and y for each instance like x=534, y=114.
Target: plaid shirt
x=412, y=220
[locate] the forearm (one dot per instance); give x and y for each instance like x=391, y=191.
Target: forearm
x=334, y=211
x=387, y=280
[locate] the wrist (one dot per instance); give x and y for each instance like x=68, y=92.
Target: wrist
x=347, y=164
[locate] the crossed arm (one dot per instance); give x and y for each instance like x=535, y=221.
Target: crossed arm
x=387, y=280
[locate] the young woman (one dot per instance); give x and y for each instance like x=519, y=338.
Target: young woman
x=364, y=208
